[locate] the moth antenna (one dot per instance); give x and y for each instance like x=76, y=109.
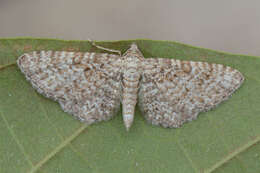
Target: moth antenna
x=103, y=48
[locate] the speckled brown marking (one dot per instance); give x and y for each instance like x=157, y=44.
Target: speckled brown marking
x=186, y=67
x=229, y=69
x=204, y=65
x=210, y=67
x=78, y=57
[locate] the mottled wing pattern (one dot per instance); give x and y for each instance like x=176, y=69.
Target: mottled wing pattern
x=87, y=85
x=173, y=91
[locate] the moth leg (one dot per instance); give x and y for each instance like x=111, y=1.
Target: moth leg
x=103, y=48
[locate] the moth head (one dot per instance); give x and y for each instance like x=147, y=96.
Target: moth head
x=134, y=46
x=133, y=51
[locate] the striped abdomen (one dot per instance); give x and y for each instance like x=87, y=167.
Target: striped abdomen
x=130, y=88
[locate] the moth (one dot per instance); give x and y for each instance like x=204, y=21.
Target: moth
x=92, y=86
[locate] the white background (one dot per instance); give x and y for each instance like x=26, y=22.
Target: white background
x=226, y=25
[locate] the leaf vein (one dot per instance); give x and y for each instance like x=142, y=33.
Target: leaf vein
x=16, y=139
x=58, y=148
x=57, y=131
x=233, y=154
x=187, y=156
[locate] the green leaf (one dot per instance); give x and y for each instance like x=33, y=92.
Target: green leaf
x=37, y=136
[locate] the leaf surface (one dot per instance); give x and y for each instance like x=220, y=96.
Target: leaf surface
x=37, y=136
